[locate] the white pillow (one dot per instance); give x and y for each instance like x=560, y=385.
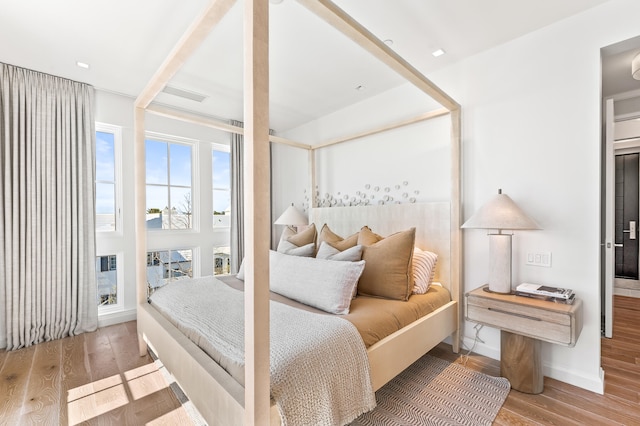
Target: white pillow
x=323, y=284
x=327, y=251
x=286, y=247
x=424, y=269
x=240, y=274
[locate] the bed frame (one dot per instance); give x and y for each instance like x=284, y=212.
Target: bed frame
x=219, y=398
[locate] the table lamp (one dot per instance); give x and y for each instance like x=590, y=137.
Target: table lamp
x=291, y=217
x=500, y=213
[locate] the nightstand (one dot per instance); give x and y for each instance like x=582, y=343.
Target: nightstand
x=524, y=323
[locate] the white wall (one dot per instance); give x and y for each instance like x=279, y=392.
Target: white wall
x=118, y=110
x=531, y=126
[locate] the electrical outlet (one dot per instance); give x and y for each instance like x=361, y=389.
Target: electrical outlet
x=542, y=258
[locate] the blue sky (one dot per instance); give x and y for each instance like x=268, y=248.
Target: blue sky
x=105, y=171
x=221, y=177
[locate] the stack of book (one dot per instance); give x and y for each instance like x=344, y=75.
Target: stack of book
x=545, y=292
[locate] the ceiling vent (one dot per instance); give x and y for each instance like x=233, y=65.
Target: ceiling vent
x=184, y=93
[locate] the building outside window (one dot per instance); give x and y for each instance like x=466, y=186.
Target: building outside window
x=164, y=266
x=107, y=279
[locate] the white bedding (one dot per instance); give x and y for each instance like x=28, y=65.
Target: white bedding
x=319, y=366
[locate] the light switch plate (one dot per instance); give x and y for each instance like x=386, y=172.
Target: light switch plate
x=542, y=258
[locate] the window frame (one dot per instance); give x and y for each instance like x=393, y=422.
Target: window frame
x=195, y=176
x=116, y=131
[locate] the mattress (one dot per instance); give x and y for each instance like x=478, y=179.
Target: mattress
x=375, y=318
x=306, y=349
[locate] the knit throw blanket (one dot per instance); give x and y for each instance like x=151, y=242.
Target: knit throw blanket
x=319, y=365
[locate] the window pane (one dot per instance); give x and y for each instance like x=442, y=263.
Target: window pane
x=168, y=265
x=221, y=260
x=156, y=162
x=221, y=170
x=105, y=207
x=181, y=208
x=105, y=156
x=222, y=208
x=221, y=179
x=157, y=204
x=106, y=276
x=180, y=165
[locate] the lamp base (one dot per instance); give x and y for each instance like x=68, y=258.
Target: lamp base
x=500, y=263
x=488, y=290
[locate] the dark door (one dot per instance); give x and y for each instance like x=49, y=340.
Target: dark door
x=627, y=204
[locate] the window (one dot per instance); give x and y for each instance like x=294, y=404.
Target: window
x=169, y=183
x=107, y=177
x=221, y=175
x=168, y=265
x=110, y=242
x=107, y=279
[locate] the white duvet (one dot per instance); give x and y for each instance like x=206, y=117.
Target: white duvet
x=319, y=365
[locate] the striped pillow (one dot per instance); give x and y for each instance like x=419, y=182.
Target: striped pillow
x=424, y=270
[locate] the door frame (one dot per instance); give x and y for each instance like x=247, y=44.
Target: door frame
x=612, y=148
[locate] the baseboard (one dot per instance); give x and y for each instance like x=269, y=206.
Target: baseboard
x=480, y=348
x=627, y=292
x=590, y=383
x=116, y=317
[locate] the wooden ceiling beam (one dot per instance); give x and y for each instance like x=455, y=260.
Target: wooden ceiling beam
x=344, y=23
x=188, y=43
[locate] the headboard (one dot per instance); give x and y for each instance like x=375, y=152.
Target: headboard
x=431, y=220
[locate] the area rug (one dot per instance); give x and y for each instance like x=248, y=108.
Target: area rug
x=433, y=391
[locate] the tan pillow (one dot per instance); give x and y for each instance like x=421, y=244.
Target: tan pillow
x=387, y=272
x=302, y=238
x=367, y=237
x=336, y=241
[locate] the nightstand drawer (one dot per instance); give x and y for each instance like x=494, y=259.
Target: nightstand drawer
x=548, y=321
x=521, y=323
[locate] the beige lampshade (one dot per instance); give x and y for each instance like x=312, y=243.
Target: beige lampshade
x=291, y=217
x=635, y=67
x=501, y=212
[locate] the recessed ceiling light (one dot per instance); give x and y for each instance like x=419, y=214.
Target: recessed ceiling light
x=388, y=42
x=438, y=52
x=82, y=65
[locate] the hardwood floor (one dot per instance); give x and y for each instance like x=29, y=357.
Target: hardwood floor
x=99, y=379
x=94, y=378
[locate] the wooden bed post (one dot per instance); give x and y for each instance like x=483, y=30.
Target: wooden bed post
x=456, y=220
x=257, y=222
x=139, y=211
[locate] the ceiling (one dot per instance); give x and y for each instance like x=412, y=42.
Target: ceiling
x=314, y=70
x=616, y=67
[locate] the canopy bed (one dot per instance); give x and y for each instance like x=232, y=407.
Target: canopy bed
x=219, y=397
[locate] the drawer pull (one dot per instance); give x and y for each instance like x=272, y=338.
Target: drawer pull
x=515, y=314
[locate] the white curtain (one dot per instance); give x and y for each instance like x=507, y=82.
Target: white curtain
x=47, y=235
x=237, y=198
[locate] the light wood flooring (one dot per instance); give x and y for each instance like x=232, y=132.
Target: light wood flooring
x=99, y=379
x=93, y=378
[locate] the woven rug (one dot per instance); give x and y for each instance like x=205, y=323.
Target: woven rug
x=433, y=391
